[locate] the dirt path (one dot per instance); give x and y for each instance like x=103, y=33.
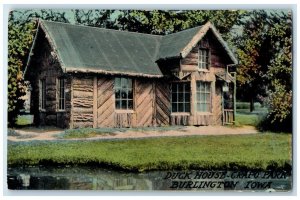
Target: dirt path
x=36, y=134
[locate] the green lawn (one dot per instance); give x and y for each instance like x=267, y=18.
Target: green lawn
x=247, y=119
x=258, y=151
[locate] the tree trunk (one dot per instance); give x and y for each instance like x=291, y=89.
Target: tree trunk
x=251, y=104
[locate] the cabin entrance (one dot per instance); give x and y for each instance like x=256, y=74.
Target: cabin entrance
x=228, y=103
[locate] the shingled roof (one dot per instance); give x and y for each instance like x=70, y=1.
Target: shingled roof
x=89, y=49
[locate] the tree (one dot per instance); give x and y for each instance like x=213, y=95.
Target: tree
x=265, y=69
x=21, y=31
x=19, y=41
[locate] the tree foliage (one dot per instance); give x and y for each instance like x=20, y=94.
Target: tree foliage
x=19, y=41
x=265, y=55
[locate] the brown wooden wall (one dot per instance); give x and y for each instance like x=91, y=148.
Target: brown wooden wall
x=82, y=102
x=44, y=65
x=144, y=102
x=151, y=103
x=162, y=103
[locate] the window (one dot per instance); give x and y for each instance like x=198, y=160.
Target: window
x=123, y=93
x=181, y=97
x=203, y=96
x=43, y=94
x=61, y=94
x=203, y=58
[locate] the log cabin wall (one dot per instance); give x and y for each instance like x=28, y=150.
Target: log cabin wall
x=46, y=67
x=82, y=101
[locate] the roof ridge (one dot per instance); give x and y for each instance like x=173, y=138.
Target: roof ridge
x=94, y=27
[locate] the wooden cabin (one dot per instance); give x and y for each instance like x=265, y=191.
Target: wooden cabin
x=93, y=77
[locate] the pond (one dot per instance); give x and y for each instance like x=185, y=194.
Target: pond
x=88, y=178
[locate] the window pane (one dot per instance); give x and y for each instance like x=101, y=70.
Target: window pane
x=174, y=87
x=187, y=107
x=124, y=104
x=117, y=82
x=174, y=97
x=202, y=97
x=198, y=96
x=207, y=98
x=130, y=104
x=180, y=87
x=118, y=104
x=174, y=107
x=118, y=93
x=187, y=97
x=129, y=83
x=186, y=87
x=180, y=97
x=124, y=94
x=129, y=93
x=180, y=107
x=124, y=82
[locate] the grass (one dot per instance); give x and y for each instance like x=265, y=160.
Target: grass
x=23, y=120
x=250, y=120
x=259, y=151
x=83, y=133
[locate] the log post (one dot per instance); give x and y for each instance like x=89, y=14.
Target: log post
x=193, y=99
x=95, y=114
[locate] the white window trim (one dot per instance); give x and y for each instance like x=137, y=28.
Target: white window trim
x=184, y=102
x=208, y=60
x=122, y=110
x=58, y=94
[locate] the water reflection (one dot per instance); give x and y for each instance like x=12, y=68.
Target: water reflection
x=84, y=178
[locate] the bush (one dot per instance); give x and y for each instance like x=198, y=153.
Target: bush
x=269, y=124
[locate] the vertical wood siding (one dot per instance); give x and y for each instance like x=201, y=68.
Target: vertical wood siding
x=162, y=103
x=105, y=102
x=144, y=102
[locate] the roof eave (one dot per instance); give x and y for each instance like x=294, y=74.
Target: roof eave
x=98, y=71
x=31, y=51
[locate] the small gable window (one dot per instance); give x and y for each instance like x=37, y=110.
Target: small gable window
x=123, y=94
x=61, y=94
x=203, y=58
x=181, y=97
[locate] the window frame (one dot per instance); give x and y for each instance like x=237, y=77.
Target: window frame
x=61, y=94
x=207, y=103
x=129, y=91
x=203, y=65
x=42, y=91
x=186, y=98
